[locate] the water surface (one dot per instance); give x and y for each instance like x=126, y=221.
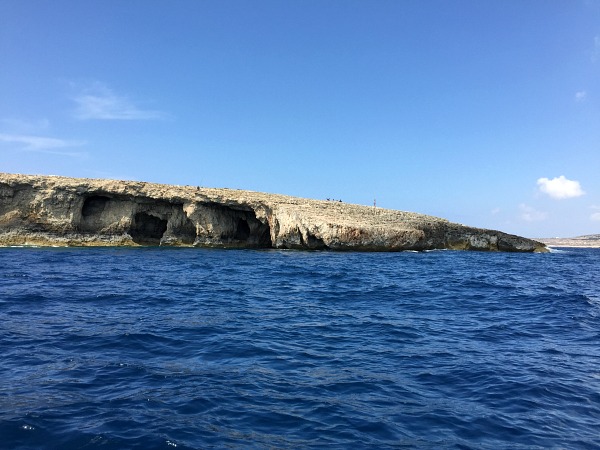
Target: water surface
x=162, y=348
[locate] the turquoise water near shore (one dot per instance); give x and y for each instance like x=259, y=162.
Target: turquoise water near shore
x=189, y=348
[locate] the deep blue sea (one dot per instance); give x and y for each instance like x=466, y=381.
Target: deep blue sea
x=117, y=348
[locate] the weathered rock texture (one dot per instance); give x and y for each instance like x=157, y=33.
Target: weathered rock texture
x=50, y=210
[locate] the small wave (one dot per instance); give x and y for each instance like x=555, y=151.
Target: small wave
x=592, y=299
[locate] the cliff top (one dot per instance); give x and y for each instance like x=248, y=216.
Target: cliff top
x=325, y=209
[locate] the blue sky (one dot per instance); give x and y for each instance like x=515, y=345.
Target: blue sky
x=484, y=112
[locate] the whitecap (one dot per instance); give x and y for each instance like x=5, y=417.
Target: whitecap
x=556, y=250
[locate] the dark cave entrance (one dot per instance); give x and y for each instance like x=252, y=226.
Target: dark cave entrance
x=312, y=242
x=249, y=232
x=147, y=229
x=94, y=206
x=242, y=231
x=264, y=236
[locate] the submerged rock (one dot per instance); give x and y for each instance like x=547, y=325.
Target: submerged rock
x=51, y=210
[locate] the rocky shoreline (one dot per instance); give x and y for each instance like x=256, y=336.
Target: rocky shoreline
x=52, y=210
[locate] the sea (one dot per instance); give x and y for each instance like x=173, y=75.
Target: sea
x=164, y=348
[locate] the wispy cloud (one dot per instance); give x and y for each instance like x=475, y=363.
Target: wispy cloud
x=25, y=126
x=596, y=49
x=42, y=144
x=98, y=102
x=560, y=187
x=580, y=96
x=595, y=216
x=530, y=214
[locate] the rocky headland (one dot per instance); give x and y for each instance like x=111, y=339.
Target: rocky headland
x=52, y=210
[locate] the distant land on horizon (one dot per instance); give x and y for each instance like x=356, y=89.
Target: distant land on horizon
x=587, y=241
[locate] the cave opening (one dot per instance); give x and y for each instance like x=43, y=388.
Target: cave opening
x=93, y=213
x=94, y=206
x=147, y=229
x=313, y=243
x=264, y=237
x=242, y=231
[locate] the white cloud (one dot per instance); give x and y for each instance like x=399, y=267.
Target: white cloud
x=41, y=144
x=98, y=101
x=531, y=214
x=595, y=217
x=495, y=211
x=580, y=96
x=560, y=187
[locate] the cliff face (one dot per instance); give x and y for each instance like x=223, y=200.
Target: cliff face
x=49, y=210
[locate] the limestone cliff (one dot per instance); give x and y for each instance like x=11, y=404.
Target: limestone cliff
x=50, y=210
